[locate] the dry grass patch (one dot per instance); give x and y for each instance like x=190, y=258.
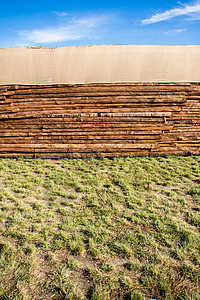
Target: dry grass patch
x=122, y=228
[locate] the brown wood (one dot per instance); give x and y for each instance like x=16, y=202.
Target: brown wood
x=133, y=119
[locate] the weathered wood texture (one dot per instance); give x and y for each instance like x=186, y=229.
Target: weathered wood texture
x=100, y=120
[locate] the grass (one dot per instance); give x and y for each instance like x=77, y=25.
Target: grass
x=121, y=228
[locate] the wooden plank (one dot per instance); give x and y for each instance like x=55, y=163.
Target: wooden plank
x=100, y=120
x=101, y=90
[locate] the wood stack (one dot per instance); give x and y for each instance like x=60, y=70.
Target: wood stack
x=132, y=119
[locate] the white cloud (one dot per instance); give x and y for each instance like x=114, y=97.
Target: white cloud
x=194, y=16
x=179, y=30
x=175, y=12
x=74, y=29
x=175, y=31
x=60, y=14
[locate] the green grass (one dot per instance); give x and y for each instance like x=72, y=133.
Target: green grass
x=122, y=228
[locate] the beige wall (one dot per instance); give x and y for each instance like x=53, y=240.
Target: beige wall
x=100, y=64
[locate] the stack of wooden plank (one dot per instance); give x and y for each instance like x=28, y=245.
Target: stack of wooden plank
x=128, y=119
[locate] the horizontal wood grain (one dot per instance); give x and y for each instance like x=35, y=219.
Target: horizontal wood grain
x=133, y=119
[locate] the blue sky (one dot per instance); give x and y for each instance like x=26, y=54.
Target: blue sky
x=78, y=22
